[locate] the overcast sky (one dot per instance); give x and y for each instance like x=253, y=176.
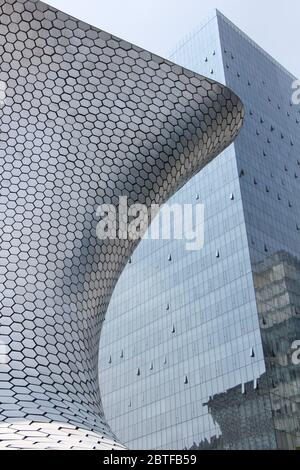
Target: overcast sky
x=157, y=25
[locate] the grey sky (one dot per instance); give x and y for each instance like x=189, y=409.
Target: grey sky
x=157, y=25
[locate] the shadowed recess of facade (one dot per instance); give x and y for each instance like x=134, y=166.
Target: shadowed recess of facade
x=87, y=118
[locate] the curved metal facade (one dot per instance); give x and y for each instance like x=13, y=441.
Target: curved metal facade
x=87, y=118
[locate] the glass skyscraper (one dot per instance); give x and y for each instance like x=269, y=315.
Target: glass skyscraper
x=196, y=349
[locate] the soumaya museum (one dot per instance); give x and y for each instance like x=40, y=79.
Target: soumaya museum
x=149, y=239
